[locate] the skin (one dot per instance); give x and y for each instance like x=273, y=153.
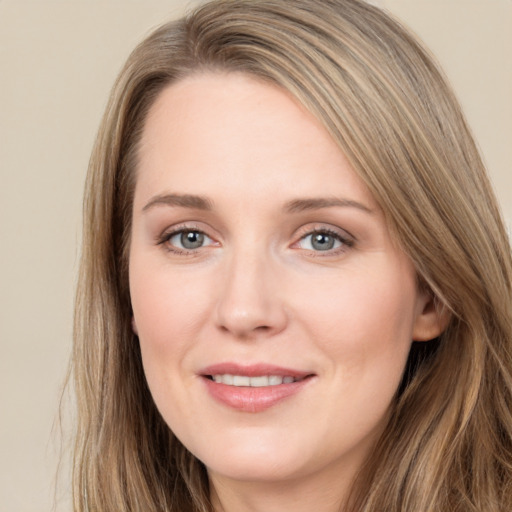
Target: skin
x=259, y=291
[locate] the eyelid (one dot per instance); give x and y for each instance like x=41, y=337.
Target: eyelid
x=165, y=236
x=347, y=240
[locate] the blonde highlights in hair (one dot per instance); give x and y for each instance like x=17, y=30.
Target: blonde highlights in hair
x=448, y=445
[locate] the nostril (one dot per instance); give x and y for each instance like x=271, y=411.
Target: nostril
x=263, y=328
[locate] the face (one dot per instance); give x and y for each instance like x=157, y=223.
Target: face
x=274, y=311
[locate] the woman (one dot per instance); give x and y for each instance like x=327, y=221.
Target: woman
x=295, y=288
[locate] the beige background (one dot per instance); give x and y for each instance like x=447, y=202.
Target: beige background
x=58, y=60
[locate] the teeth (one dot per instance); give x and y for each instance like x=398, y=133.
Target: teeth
x=240, y=380
x=255, y=382
x=227, y=379
x=259, y=382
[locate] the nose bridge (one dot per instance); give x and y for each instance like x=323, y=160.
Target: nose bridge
x=249, y=302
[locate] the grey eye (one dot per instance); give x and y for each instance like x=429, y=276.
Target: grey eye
x=320, y=242
x=189, y=240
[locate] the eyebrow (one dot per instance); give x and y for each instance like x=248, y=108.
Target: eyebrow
x=294, y=206
x=183, y=200
x=301, y=205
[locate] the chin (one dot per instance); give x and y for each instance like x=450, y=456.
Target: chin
x=261, y=469
x=253, y=460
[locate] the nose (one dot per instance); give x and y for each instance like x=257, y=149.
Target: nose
x=250, y=303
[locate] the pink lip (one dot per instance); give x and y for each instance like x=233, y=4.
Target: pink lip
x=252, y=370
x=253, y=399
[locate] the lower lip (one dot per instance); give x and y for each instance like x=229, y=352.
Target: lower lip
x=249, y=399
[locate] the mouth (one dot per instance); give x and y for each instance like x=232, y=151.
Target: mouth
x=261, y=381
x=253, y=388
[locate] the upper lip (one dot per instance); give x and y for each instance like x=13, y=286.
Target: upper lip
x=253, y=370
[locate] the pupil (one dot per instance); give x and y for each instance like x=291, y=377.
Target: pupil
x=322, y=242
x=192, y=239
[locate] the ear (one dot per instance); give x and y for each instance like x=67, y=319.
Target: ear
x=134, y=326
x=431, y=319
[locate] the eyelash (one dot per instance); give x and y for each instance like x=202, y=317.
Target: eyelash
x=345, y=241
x=166, y=236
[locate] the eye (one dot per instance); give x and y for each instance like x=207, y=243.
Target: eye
x=322, y=240
x=186, y=240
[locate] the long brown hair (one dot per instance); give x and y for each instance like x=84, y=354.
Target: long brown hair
x=448, y=446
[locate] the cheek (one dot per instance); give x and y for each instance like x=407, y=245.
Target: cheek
x=169, y=312
x=166, y=306
x=363, y=320
x=363, y=326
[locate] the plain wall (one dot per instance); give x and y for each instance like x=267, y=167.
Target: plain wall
x=58, y=60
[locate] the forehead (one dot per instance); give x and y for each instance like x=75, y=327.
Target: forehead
x=249, y=135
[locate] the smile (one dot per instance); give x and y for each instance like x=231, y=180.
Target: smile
x=254, y=382
x=253, y=388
